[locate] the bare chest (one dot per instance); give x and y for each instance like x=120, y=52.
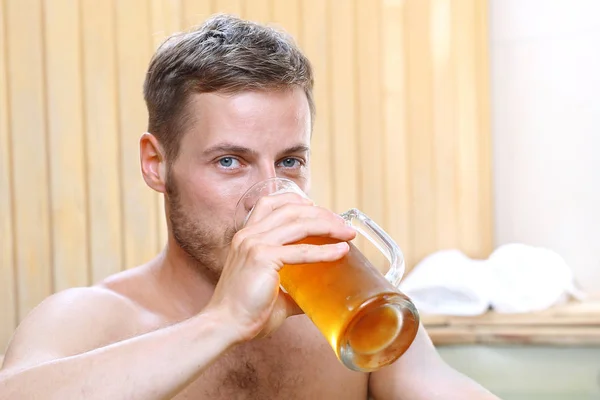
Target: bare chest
x=293, y=364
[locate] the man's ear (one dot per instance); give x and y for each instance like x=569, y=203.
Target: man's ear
x=153, y=162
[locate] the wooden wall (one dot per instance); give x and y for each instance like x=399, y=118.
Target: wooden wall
x=402, y=130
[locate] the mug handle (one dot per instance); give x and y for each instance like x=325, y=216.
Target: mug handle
x=380, y=239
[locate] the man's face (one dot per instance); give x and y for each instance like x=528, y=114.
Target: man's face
x=233, y=141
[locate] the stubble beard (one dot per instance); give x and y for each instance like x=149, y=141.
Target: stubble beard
x=197, y=240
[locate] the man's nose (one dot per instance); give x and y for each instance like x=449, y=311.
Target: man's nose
x=266, y=172
x=262, y=182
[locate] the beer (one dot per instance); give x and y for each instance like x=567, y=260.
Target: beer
x=367, y=321
x=359, y=312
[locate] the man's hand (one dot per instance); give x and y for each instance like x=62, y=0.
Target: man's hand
x=248, y=291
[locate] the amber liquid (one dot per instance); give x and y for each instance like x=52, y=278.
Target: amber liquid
x=347, y=301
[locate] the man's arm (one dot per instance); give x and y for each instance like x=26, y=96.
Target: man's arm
x=421, y=374
x=60, y=351
x=82, y=343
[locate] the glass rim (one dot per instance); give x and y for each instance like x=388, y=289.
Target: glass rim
x=256, y=186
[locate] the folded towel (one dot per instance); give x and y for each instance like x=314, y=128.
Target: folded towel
x=528, y=278
x=516, y=278
x=450, y=283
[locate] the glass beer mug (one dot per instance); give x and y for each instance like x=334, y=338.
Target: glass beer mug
x=367, y=321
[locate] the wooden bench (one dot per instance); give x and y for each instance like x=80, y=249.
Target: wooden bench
x=576, y=323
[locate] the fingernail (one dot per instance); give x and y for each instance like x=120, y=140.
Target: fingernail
x=341, y=246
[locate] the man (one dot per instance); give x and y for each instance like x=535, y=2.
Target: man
x=229, y=104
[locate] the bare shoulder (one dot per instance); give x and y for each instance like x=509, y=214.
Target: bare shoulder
x=421, y=373
x=418, y=361
x=71, y=322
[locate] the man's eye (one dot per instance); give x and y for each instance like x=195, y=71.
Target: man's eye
x=229, y=162
x=290, y=162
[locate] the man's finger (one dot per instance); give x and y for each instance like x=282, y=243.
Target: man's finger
x=308, y=227
x=309, y=253
x=267, y=204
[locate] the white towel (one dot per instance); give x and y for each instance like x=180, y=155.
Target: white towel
x=529, y=278
x=516, y=278
x=448, y=282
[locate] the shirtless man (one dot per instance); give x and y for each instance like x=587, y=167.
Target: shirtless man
x=229, y=104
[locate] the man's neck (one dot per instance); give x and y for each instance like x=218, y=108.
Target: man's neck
x=183, y=279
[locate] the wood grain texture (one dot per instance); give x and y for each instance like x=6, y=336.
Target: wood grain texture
x=484, y=134
x=315, y=43
x=8, y=293
x=258, y=10
x=370, y=118
x=445, y=133
x=233, y=7
x=138, y=201
x=30, y=165
x=344, y=130
x=288, y=14
x=167, y=19
x=195, y=12
x=397, y=168
x=469, y=180
x=64, y=103
x=102, y=139
x=573, y=323
x=516, y=335
x=423, y=193
x=401, y=132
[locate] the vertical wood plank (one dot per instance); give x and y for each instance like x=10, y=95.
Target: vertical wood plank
x=8, y=295
x=371, y=152
x=482, y=73
x=287, y=14
x=344, y=162
x=420, y=116
x=66, y=143
x=420, y=134
x=233, y=7
x=315, y=43
x=444, y=124
x=139, y=202
x=102, y=138
x=468, y=157
x=397, y=183
x=29, y=153
x=258, y=10
x=195, y=12
x=166, y=20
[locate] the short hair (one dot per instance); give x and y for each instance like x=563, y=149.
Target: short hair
x=224, y=54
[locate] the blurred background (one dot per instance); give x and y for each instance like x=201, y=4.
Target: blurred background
x=454, y=124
